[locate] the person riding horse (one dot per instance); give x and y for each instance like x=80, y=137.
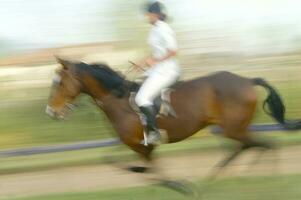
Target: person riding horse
x=164, y=69
x=223, y=98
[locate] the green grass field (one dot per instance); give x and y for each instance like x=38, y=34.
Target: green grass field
x=26, y=124
x=23, y=123
x=199, y=143
x=246, y=188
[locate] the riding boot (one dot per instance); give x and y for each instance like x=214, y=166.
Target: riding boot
x=153, y=135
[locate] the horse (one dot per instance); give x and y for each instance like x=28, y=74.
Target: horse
x=223, y=98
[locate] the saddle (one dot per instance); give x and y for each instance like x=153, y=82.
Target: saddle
x=161, y=103
x=162, y=106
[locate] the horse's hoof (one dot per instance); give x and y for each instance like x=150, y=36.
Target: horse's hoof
x=178, y=186
x=138, y=169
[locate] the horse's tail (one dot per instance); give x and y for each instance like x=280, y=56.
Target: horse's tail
x=274, y=106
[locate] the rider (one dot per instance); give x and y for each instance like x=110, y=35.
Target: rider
x=163, y=68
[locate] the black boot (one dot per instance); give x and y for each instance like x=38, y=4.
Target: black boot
x=153, y=135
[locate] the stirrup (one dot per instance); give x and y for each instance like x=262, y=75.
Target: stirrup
x=153, y=138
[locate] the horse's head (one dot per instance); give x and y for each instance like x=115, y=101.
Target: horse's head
x=74, y=78
x=65, y=88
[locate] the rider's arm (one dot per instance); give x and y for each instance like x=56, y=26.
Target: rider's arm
x=169, y=54
x=170, y=43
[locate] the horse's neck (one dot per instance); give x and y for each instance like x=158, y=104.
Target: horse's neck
x=115, y=108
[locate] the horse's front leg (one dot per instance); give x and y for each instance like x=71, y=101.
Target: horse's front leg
x=156, y=175
x=145, y=152
x=121, y=161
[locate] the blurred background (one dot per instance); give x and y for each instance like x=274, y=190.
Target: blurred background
x=259, y=38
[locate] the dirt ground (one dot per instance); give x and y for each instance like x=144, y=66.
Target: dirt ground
x=190, y=166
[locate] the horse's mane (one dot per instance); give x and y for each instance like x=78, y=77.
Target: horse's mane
x=110, y=79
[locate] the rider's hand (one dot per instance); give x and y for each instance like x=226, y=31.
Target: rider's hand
x=151, y=61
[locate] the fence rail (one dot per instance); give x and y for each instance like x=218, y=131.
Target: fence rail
x=58, y=148
x=107, y=143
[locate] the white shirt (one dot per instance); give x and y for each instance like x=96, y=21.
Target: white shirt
x=162, y=39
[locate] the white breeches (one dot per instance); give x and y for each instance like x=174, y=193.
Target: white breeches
x=159, y=78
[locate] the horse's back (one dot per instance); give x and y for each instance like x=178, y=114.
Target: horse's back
x=232, y=86
x=218, y=79
x=223, y=84
x=216, y=93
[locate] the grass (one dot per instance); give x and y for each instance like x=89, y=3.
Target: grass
x=201, y=143
x=95, y=156
x=24, y=123
x=239, y=188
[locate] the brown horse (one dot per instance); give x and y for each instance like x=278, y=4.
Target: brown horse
x=223, y=98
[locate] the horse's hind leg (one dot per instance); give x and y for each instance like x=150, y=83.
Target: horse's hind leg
x=245, y=142
x=217, y=169
x=244, y=145
x=235, y=122
x=262, y=150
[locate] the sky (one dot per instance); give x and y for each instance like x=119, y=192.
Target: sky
x=27, y=24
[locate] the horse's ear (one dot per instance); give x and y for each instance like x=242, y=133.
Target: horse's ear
x=63, y=62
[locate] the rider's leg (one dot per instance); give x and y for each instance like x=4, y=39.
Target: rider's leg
x=153, y=135
x=150, y=89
